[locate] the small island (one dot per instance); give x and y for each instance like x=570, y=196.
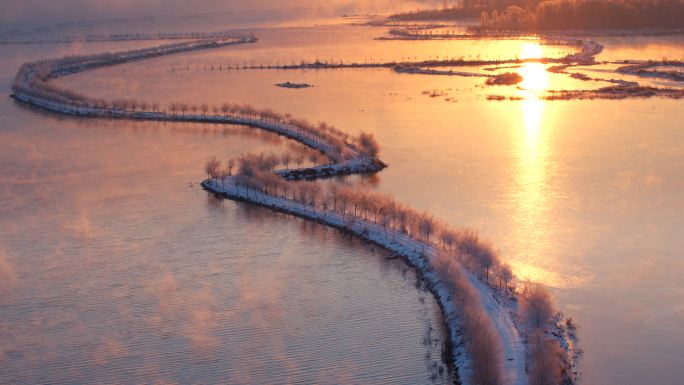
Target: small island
x=507, y=78
x=293, y=85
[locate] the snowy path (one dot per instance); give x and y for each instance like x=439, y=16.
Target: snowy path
x=511, y=341
x=412, y=249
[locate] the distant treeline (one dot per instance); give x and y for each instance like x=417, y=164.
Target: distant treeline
x=545, y=15
x=467, y=9
x=438, y=14
x=587, y=14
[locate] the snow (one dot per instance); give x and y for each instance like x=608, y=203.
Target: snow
x=418, y=254
x=586, y=54
x=406, y=69
x=357, y=163
x=118, y=37
x=502, y=315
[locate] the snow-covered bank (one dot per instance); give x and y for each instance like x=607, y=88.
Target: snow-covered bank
x=33, y=79
x=589, y=49
x=407, y=69
x=618, y=92
x=670, y=70
x=32, y=86
x=118, y=37
x=353, y=162
x=501, y=307
x=414, y=252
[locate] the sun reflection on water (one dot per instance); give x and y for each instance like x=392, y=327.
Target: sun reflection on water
x=532, y=148
x=531, y=193
x=535, y=78
x=531, y=51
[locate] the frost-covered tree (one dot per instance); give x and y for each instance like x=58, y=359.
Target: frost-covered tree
x=368, y=144
x=213, y=167
x=536, y=306
x=546, y=360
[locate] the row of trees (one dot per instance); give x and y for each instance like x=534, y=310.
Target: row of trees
x=586, y=14
x=478, y=332
x=251, y=164
x=333, y=141
x=337, y=145
x=548, y=363
x=33, y=79
x=124, y=37
x=469, y=10
x=542, y=15
x=255, y=176
x=465, y=245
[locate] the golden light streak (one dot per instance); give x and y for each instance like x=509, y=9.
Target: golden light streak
x=530, y=193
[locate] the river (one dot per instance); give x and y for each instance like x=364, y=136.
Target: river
x=118, y=268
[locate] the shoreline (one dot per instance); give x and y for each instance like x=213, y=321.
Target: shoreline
x=454, y=344
x=423, y=256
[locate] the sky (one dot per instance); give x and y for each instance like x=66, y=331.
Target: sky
x=22, y=13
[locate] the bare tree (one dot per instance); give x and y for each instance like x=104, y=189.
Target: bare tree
x=505, y=276
x=546, y=360
x=369, y=145
x=212, y=167
x=299, y=159
x=285, y=158
x=427, y=226
x=536, y=306
x=313, y=158
x=229, y=166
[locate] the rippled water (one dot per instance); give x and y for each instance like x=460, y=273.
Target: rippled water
x=118, y=268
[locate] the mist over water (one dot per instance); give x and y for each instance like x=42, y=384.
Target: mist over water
x=115, y=267
x=20, y=13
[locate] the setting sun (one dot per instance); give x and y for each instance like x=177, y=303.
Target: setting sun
x=531, y=51
x=535, y=78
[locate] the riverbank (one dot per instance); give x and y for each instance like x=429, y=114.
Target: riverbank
x=501, y=308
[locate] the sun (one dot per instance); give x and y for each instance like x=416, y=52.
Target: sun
x=531, y=51
x=535, y=78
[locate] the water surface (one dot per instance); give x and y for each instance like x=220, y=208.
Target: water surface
x=584, y=196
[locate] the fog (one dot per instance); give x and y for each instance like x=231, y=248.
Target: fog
x=22, y=13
